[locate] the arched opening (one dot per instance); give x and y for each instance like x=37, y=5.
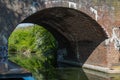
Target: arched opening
x=34, y=42
x=33, y=47
x=76, y=32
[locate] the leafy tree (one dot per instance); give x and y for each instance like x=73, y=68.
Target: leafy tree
x=39, y=43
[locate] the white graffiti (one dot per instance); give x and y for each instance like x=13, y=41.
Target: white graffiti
x=33, y=9
x=95, y=12
x=34, y=6
x=115, y=38
x=4, y=39
x=72, y=5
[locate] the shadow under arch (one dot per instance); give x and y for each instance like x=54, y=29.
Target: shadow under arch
x=75, y=31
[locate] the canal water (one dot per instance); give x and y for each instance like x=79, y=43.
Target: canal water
x=74, y=74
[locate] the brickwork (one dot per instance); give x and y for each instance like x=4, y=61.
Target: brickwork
x=99, y=56
x=79, y=33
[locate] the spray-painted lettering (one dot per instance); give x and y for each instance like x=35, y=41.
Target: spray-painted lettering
x=3, y=53
x=95, y=12
x=72, y=5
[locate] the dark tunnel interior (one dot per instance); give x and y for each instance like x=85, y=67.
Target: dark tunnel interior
x=74, y=30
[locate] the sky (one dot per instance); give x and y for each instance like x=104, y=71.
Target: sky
x=24, y=25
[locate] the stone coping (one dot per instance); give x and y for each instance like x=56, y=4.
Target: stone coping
x=92, y=67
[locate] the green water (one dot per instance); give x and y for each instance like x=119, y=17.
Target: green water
x=75, y=74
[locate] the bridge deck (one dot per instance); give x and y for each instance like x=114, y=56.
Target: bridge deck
x=14, y=71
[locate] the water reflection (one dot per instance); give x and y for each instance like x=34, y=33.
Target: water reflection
x=95, y=75
x=75, y=74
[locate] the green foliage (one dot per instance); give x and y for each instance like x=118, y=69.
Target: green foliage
x=34, y=46
x=21, y=38
x=12, y=49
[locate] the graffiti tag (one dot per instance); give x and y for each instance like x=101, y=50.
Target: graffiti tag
x=3, y=53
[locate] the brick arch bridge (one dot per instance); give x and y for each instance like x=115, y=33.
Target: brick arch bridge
x=80, y=26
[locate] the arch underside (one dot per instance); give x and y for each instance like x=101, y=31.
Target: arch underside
x=74, y=30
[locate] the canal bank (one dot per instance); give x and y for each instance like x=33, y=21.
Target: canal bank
x=77, y=74
x=92, y=67
x=14, y=72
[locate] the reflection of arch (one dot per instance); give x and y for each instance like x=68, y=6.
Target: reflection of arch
x=73, y=29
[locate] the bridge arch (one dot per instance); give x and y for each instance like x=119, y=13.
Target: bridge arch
x=105, y=12
x=74, y=30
